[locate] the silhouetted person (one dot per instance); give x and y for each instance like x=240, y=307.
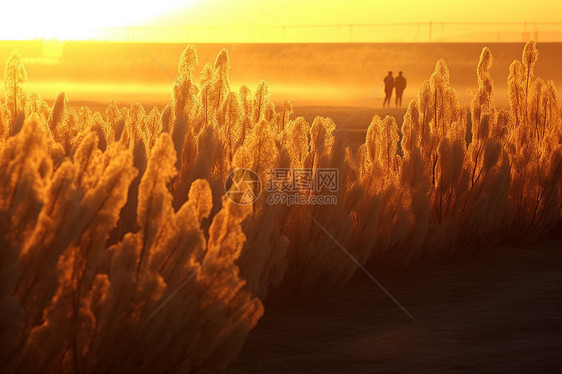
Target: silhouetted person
x=400, y=85
x=388, y=86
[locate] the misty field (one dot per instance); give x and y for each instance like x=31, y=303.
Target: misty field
x=327, y=75
x=121, y=251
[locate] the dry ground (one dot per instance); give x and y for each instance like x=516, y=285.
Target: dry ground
x=499, y=311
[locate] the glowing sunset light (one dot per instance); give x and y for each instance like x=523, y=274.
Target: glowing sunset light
x=76, y=19
x=250, y=21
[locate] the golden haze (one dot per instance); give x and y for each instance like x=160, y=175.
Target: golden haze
x=251, y=21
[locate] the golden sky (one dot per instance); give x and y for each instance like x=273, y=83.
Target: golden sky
x=274, y=20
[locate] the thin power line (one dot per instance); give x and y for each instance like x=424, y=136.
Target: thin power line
x=336, y=25
x=364, y=270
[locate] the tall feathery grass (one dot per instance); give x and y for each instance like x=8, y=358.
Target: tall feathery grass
x=120, y=252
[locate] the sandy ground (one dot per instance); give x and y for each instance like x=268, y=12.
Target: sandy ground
x=499, y=311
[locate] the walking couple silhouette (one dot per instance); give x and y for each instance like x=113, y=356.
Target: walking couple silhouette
x=390, y=83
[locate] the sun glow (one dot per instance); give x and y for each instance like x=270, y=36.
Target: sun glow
x=76, y=19
x=259, y=21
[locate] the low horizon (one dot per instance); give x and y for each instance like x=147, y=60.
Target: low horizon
x=415, y=32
